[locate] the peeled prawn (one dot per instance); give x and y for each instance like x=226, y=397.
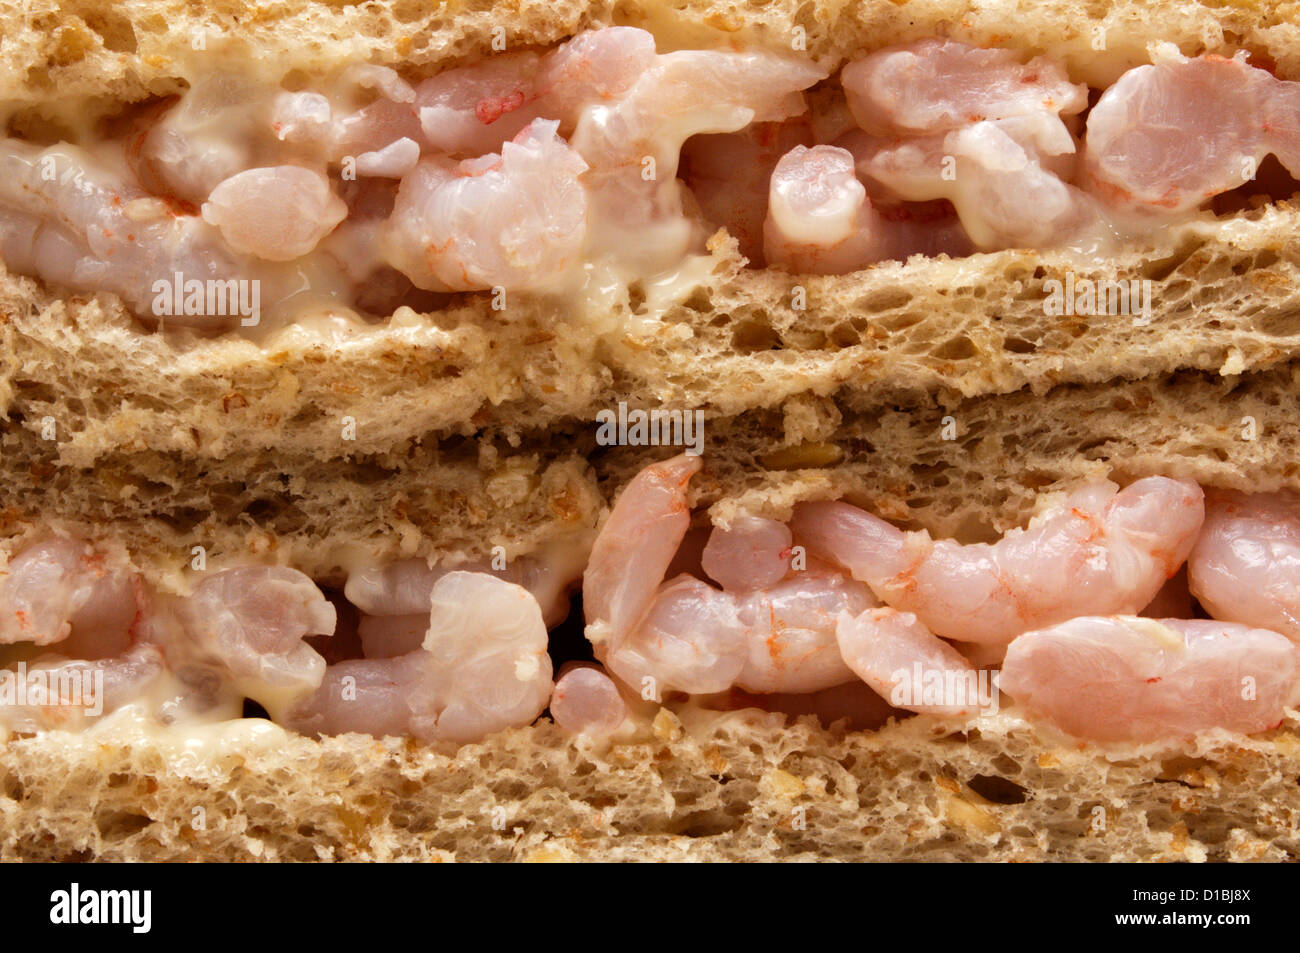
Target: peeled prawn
x=472, y=110
x=249, y=625
x=1099, y=551
x=59, y=592
x=978, y=128
x=394, y=599
x=1126, y=678
x=209, y=134
x=587, y=702
x=1000, y=175
x=306, y=211
x=483, y=667
x=1245, y=566
x=752, y=553
x=789, y=632
x=517, y=220
x=764, y=633
x=1168, y=136
x=68, y=694
x=906, y=664
x=71, y=220
x=939, y=85
x=821, y=221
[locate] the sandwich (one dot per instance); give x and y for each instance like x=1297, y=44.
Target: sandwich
x=645, y=431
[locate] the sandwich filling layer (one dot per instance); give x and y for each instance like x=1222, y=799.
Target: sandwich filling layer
x=576, y=172
x=1144, y=614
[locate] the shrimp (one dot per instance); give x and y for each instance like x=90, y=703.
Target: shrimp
x=60, y=592
x=394, y=599
x=685, y=635
x=1099, y=551
x=940, y=85
x=633, y=144
x=729, y=175
x=1168, y=136
x=1245, y=566
x=393, y=161
x=821, y=221
x=789, y=632
x=249, y=625
x=904, y=663
x=71, y=220
x=306, y=211
x=766, y=633
x=473, y=110
x=978, y=128
x=689, y=639
x=636, y=545
x=331, y=129
x=209, y=134
x=69, y=694
x=101, y=624
x=1002, y=176
x=482, y=667
x=586, y=701
x=400, y=588
x=517, y=220
x=753, y=553
x=1126, y=678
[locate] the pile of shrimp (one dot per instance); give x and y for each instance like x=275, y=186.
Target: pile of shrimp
x=1075, y=611
x=515, y=173
x=446, y=654
x=543, y=172
x=1001, y=141
x=1135, y=614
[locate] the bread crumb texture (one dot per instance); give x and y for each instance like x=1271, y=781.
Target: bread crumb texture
x=741, y=786
x=966, y=468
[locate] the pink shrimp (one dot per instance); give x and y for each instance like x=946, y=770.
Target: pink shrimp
x=1166, y=137
x=770, y=630
x=249, y=626
x=1126, y=678
x=517, y=220
x=394, y=599
x=71, y=694
x=1246, y=564
x=821, y=221
x=1099, y=551
x=61, y=592
x=306, y=211
x=71, y=220
x=978, y=128
x=482, y=667
x=586, y=701
x=939, y=85
x=91, y=612
x=908, y=666
x=472, y=110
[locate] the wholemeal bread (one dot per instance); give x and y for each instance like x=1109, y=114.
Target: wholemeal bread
x=939, y=393
x=741, y=786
